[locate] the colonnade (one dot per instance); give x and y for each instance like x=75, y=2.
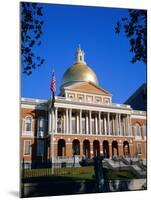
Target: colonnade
x=89, y=122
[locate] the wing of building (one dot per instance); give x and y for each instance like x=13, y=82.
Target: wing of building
x=84, y=122
x=138, y=100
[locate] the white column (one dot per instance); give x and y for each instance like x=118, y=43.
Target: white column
x=80, y=121
x=117, y=128
x=113, y=124
x=64, y=122
x=70, y=121
x=99, y=123
x=56, y=119
x=87, y=127
x=119, y=120
x=67, y=125
x=50, y=121
x=77, y=122
x=129, y=127
x=124, y=126
x=108, y=123
x=121, y=126
x=96, y=124
x=90, y=125
x=105, y=130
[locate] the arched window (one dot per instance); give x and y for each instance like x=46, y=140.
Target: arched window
x=41, y=127
x=138, y=130
x=61, y=148
x=76, y=147
x=28, y=125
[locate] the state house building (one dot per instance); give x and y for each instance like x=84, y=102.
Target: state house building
x=84, y=121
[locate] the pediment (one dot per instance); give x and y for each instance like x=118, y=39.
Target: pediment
x=88, y=87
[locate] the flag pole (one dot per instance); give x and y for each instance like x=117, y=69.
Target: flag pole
x=53, y=89
x=52, y=144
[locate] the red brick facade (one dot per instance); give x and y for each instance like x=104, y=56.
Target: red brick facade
x=115, y=144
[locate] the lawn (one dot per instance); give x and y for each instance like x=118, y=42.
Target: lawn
x=120, y=175
x=76, y=173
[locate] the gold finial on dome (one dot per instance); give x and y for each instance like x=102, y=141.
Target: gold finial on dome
x=80, y=55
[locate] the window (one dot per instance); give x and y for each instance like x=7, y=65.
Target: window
x=71, y=97
x=138, y=130
x=106, y=100
x=27, y=147
x=80, y=99
x=41, y=127
x=145, y=131
x=98, y=100
x=40, y=147
x=138, y=149
x=28, y=125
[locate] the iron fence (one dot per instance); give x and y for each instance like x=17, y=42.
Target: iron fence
x=59, y=169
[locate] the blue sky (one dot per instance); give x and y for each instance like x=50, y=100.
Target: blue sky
x=105, y=52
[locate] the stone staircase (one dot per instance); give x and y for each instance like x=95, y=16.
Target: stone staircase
x=138, y=168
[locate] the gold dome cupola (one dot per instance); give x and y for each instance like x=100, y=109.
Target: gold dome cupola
x=79, y=71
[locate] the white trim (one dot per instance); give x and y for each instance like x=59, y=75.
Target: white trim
x=31, y=106
x=138, y=138
x=99, y=107
x=138, y=116
x=32, y=100
x=94, y=135
x=24, y=132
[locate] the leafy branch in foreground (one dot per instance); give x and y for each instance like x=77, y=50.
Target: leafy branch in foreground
x=135, y=28
x=31, y=31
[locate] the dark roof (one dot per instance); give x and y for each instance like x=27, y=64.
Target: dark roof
x=138, y=100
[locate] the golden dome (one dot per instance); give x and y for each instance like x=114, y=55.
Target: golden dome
x=79, y=72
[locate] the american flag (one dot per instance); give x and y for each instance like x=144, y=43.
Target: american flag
x=53, y=83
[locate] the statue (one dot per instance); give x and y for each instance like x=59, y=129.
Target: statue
x=98, y=169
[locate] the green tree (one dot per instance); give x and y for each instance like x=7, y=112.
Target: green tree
x=31, y=31
x=135, y=28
